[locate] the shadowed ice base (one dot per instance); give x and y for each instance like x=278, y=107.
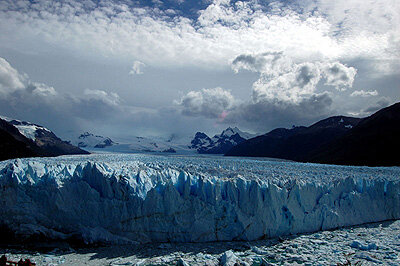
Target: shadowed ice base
x=367, y=244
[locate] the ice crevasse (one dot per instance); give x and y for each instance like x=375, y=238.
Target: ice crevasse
x=143, y=198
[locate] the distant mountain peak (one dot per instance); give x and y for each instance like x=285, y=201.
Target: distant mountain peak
x=220, y=143
x=200, y=135
x=85, y=135
x=230, y=131
x=90, y=140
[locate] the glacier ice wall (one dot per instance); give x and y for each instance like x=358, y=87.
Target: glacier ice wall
x=142, y=198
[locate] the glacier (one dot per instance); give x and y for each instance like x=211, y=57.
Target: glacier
x=139, y=198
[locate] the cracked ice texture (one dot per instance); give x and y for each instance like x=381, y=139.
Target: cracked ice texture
x=146, y=198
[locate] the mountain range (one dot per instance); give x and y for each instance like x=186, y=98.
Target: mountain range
x=200, y=143
x=135, y=144
x=372, y=141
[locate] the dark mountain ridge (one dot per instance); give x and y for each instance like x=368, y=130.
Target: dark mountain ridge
x=13, y=144
x=371, y=141
x=375, y=141
x=295, y=143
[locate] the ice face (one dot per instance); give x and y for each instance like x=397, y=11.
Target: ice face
x=147, y=198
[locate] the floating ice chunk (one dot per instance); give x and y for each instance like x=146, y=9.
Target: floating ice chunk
x=367, y=257
x=259, y=251
x=229, y=258
x=181, y=262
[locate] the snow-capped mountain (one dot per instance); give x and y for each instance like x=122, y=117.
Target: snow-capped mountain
x=26, y=139
x=200, y=140
x=29, y=130
x=233, y=131
x=89, y=140
x=219, y=144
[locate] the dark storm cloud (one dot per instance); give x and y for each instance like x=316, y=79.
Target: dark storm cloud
x=255, y=63
x=209, y=103
x=381, y=103
x=267, y=114
x=25, y=99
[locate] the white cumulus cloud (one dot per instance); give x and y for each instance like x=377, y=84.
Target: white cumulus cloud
x=10, y=79
x=319, y=29
x=42, y=89
x=339, y=75
x=110, y=98
x=363, y=93
x=283, y=79
x=137, y=68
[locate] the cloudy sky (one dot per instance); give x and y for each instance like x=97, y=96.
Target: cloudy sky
x=123, y=68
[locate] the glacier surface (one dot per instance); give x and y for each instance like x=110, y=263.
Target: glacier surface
x=148, y=198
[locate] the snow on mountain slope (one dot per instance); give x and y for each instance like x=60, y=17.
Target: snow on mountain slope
x=134, y=144
x=27, y=129
x=89, y=140
x=147, y=198
x=25, y=139
x=200, y=140
x=158, y=144
x=144, y=144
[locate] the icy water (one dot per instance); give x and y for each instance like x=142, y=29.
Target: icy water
x=370, y=244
